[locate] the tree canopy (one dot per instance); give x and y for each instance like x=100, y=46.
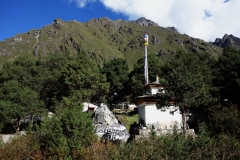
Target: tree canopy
x=19, y=94
x=33, y=85
x=81, y=79
x=116, y=71
x=228, y=75
x=136, y=77
x=188, y=79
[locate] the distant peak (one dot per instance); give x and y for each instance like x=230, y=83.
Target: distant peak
x=228, y=41
x=141, y=19
x=145, y=22
x=173, y=29
x=225, y=37
x=105, y=18
x=57, y=20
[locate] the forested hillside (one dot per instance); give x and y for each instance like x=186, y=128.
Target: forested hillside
x=58, y=67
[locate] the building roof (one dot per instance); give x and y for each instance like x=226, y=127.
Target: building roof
x=145, y=98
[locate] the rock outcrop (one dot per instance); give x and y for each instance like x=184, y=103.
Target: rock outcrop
x=145, y=22
x=228, y=41
x=173, y=29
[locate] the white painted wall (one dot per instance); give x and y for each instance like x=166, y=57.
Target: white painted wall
x=161, y=118
x=155, y=90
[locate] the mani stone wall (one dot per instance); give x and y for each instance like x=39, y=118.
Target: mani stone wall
x=107, y=126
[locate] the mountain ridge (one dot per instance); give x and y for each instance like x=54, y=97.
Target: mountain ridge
x=103, y=39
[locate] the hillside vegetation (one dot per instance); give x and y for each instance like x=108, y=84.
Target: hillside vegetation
x=64, y=64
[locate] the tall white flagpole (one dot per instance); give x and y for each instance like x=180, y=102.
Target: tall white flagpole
x=146, y=67
x=146, y=61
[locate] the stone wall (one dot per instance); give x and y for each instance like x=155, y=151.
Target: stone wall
x=6, y=138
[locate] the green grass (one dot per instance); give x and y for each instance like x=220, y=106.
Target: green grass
x=131, y=119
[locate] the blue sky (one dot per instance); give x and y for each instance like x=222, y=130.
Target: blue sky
x=204, y=19
x=19, y=16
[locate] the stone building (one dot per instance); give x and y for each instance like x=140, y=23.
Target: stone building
x=151, y=117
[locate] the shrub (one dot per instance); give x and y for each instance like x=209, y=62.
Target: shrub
x=225, y=120
x=98, y=151
x=23, y=147
x=67, y=133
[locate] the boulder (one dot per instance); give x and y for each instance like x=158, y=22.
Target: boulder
x=104, y=116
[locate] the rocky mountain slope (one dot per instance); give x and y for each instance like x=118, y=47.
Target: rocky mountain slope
x=103, y=39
